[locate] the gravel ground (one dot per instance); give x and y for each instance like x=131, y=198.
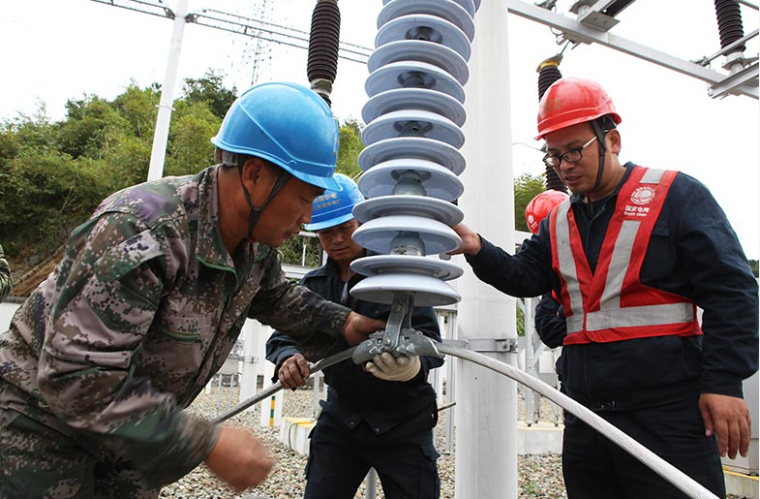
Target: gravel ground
x=540, y=477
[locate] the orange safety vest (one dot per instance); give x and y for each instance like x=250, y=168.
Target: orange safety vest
x=611, y=304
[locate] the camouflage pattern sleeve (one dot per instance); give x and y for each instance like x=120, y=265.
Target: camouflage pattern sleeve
x=111, y=283
x=6, y=283
x=295, y=309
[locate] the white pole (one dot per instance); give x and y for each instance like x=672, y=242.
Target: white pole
x=161, y=136
x=251, y=359
x=486, y=410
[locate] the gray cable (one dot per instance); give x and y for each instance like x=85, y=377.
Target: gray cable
x=666, y=470
x=271, y=390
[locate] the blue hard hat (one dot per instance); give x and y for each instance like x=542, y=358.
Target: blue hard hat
x=333, y=208
x=287, y=124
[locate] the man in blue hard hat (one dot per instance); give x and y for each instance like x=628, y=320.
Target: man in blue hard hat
x=378, y=416
x=152, y=292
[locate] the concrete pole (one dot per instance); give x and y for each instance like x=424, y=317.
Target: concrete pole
x=251, y=359
x=486, y=411
x=161, y=135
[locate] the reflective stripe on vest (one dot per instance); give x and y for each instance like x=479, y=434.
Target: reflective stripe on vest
x=592, y=302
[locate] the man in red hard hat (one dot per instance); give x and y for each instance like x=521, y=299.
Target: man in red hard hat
x=631, y=255
x=548, y=317
x=540, y=206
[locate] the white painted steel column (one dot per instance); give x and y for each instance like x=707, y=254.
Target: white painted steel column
x=486, y=410
x=251, y=359
x=161, y=135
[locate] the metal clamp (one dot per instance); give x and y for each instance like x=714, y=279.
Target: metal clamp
x=498, y=345
x=411, y=342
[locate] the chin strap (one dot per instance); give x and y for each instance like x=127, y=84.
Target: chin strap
x=255, y=212
x=600, y=139
x=600, y=126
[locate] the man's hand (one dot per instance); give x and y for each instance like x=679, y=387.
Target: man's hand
x=294, y=371
x=358, y=328
x=728, y=418
x=386, y=366
x=240, y=459
x=471, y=243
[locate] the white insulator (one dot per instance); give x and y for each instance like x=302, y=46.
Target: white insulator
x=397, y=264
x=425, y=27
x=415, y=148
x=437, y=181
x=419, y=206
x=413, y=123
x=412, y=74
x=417, y=98
x=378, y=234
x=471, y=6
x=411, y=161
x=416, y=50
x=426, y=291
x=445, y=9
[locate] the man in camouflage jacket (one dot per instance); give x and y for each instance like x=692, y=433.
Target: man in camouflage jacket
x=6, y=283
x=145, y=306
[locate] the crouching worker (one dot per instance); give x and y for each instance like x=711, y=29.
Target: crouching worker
x=102, y=359
x=377, y=416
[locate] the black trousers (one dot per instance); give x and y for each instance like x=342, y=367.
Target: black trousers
x=404, y=458
x=594, y=467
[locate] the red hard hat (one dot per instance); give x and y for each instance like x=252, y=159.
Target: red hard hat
x=539, y=207
x=569, y=101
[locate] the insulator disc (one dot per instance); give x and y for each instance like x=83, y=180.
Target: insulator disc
x=414, y=98
x=445, y=9
x=411, y=74
x=420, y=206
x=468, y=5
x=427, y=28
x=416, y=50
x=413, y=123
x=426, y=291
x=378, y=234
x=412, y=148
x=399, y=264
x=437, y=181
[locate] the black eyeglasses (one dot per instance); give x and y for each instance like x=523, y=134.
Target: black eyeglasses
x=571, y=156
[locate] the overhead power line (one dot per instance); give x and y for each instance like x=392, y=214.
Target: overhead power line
x=242, y=25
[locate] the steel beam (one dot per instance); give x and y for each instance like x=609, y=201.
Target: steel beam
x=579, y=33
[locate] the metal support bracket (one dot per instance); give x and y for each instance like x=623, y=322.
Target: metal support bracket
x=498, y=345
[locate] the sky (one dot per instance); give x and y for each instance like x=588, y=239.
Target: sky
x=54, y=50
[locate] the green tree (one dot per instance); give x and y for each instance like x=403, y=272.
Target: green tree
x=190, y=149
x=90, y=123
x=526, y=188
x=54, y=175
x=43, y=198
x=350, y=147
x=139, y=106
x=754, y=266
x=210, y=90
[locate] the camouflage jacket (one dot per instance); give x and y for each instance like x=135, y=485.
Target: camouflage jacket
x=6, y=283
x=143, y=309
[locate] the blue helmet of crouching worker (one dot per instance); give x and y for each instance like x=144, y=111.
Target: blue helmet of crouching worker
x=334, y=208
x=286, y=124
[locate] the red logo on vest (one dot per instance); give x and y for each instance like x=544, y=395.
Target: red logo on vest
x=643, y=195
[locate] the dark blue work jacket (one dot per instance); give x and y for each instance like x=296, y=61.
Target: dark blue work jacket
x=354, y=394
x=693, y=252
